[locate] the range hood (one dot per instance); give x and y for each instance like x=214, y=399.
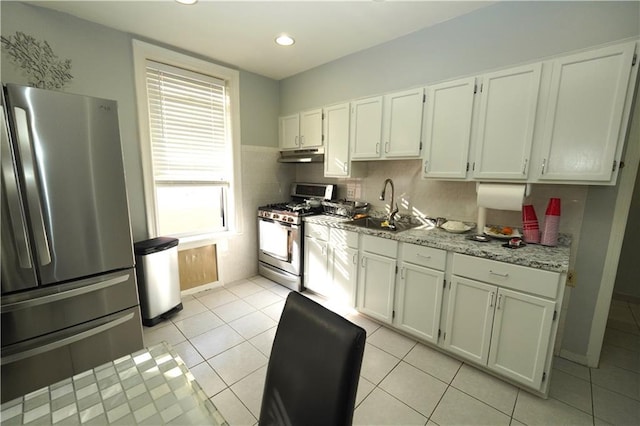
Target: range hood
x=302, y=156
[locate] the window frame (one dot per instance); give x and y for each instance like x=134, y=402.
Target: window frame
x=141, y=53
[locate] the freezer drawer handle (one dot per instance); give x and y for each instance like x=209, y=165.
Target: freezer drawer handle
x=29, y=303
x=66, y=341
x=33, y=194
x=10, y=188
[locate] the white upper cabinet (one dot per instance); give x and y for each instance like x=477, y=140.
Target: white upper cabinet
x=387, y=127
x=587, y=114
x=447, y=128
x=336, y=131
x=290, y=132
x=402, y=124
x=366, y=128
x=509, y=99
x=300, y=131
x=311, y=129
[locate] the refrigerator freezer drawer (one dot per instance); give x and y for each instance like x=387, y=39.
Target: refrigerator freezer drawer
x=55, y=308
x=28, y=366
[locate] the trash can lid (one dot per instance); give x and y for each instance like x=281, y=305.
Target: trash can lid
x=154, y=245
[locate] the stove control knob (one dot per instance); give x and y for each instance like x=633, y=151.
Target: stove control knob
x=290, y=219
x=275, y=216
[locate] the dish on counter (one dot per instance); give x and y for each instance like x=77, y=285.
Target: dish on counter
x=456, y=227
x=501, y=232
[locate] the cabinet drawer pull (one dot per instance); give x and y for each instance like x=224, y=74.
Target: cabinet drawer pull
x=424, y=256
x=498, y=274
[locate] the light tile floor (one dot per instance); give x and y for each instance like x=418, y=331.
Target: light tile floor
x=225, y=335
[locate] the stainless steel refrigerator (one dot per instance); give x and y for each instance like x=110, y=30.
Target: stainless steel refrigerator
x=69, y=294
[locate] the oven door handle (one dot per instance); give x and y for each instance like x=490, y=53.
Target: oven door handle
x=283, y=224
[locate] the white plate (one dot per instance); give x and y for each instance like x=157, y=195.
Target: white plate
x=457, y=229
x=514, y=234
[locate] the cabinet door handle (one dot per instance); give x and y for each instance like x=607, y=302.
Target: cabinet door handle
x=355, y=258
x=301, y=140
x=362, y=261
x=524, y=168
x=386, y=146
x=377, y=147
x=498, y=274
x=344, y=167
x=499, y=300
x=491, y=299
x=297, y=141
x=426, y=163
x=402, y=273
x=544, y=163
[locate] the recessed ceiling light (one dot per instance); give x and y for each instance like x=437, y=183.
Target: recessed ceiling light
x=284, y=40
x=187, y=1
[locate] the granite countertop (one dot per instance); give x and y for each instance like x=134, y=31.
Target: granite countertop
x=555, y=259
x=151, y=386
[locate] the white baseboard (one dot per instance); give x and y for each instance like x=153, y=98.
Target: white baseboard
x=580, y=359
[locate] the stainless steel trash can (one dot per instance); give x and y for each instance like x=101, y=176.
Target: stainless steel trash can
x=158, y=279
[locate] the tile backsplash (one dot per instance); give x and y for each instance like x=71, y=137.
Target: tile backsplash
x=449, y=199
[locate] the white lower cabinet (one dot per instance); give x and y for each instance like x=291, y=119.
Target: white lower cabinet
x=376, y=278
x=331, y=263
x=315, y=264
x=418, y=301
x=508, y=331
x=342, y=267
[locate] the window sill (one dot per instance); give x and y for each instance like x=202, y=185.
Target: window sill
x=195, y=241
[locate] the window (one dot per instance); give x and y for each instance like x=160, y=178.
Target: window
x=186, y=115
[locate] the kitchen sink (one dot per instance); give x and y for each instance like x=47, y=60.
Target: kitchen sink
x=377, y=223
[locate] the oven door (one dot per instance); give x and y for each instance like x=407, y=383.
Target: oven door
x=279, y=245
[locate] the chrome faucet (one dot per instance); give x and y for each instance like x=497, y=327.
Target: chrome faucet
x=393, y=210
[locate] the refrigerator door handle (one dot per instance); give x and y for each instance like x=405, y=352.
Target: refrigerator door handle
x=33, y=194
x=10, y=188
x=65, y=341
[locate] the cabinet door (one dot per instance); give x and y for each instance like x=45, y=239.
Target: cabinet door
x=469, y=319
x=402, y=123
x=521, y=336
x=343, y=271
x=447, y=128
x=375, y=286
x=585, y=113
x=311, y=129
x=315, y=266
x=418, y=302
x=509, y=100
x=289, y=132
x=366, y=128
x=336, y=131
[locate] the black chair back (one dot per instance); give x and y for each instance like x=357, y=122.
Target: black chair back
x=314, y=367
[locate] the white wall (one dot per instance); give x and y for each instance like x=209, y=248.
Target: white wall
x=628, y=277
x=102, y=66
x=497, y=36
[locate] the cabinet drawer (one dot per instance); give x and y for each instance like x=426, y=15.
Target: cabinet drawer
x=423, y=256
x=530, y=280
x=314, y=230
x=343, y=238
x=380, y=246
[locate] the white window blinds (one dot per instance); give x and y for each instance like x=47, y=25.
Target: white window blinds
x=188, y=126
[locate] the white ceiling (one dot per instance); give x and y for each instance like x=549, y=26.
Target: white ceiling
x=242, y=33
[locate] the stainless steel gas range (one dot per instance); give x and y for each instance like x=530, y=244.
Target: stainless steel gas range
x=280, y=233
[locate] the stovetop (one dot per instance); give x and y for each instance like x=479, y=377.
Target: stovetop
x=291, y=212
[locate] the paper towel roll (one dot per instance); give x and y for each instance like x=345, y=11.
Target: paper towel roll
x=501, y=196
